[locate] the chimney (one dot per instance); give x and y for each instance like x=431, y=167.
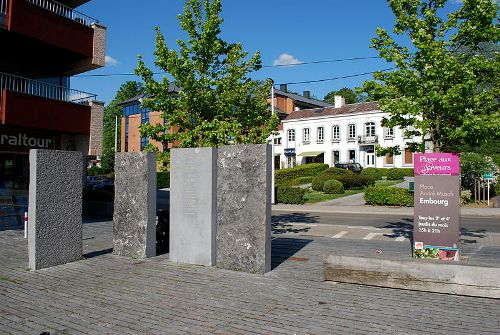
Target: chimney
x=339, y=101
x=283, y=88
x=307, y=94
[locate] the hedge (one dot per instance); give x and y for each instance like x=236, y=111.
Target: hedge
x=283, y=176
x=299, y=181
x=163, y=179
x=352, y=181
x=395, y=174
x=290, y=195
x=319, y=182
x=376, y=173
x=388, y=196
x=333, y=186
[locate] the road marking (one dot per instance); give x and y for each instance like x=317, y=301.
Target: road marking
x=400, y=238
x=339, y=235
x=476, y=251
x=371, y=235
x=364, y=227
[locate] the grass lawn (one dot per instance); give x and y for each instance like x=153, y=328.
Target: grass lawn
x=313, y=196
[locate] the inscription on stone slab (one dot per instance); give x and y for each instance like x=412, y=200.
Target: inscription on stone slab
x=193, y=205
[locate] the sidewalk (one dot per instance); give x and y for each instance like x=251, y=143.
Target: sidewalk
x=378, y=210
x=107, y=294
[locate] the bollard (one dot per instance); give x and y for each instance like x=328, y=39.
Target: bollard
x=25, y=224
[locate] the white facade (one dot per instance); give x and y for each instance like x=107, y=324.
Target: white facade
x=344, y=137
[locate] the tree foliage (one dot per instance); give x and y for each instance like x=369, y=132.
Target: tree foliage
x=348, y=94
x=218, y=103
x=446, y=88
x=126, y=91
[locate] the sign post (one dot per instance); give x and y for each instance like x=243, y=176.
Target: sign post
x=489, y=177
x=436, y=228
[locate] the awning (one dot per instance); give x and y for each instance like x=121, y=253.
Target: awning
x=311, y=153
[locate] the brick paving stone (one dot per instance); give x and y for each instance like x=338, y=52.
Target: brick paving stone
x=106, y=294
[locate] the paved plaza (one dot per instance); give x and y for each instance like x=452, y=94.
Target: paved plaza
x=107, y=294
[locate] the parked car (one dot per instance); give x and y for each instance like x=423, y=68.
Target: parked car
x=354, y=167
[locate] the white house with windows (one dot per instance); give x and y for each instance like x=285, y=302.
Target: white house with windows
x=340, y=133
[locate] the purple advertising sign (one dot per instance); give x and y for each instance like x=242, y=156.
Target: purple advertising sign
x=436, y=227
x=436, y=164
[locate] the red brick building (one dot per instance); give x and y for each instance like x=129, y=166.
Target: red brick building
x=44, y=43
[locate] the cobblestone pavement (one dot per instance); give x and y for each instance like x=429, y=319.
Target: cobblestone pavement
x=106, y=294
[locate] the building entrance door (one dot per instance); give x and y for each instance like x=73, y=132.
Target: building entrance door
x=370, y=159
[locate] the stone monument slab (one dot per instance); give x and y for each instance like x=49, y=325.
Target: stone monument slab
x=55, y=208
x=134, y=218
x=244, y=208
x=193, y=200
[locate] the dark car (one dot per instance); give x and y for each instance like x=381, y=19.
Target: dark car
x=354, y=167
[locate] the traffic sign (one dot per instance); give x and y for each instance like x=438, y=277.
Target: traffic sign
x=488, y=176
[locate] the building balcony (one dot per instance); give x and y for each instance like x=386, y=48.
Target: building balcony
x=51, y=39
x=368, y=140
x=34, y=104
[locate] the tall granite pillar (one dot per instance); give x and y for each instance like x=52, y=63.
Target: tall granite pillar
x=244, y=208
x=55, y=208
x=193, y=200
x=134, y=218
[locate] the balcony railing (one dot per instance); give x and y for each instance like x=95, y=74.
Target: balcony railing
x=3, y=6
x=367, y=139
x=44, y=90
x=63, y=10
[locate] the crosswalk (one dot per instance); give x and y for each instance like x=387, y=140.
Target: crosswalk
x=367, y=233
x=340, y=232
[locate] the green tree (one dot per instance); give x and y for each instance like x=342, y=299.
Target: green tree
x=218, y=103
x=128, y=90
x=446, y=95
x=348, y=94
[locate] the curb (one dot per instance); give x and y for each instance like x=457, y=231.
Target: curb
x=378, y=210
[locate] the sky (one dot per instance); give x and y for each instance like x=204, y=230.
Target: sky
x=284, y=31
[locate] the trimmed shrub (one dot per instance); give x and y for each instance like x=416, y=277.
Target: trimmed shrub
x=162, y=179
x=290, y=195
x=375, y=173
x=335, y=171
x=333, y=186
x=299, y=181
x=318, y=182
x=283, y=176
x=388, y=196
x=395, y=174
x=352, y=181
x=408, y=172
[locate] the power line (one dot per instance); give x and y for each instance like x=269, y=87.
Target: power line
x=264, y=66
x=336, y=78
x=322, y=61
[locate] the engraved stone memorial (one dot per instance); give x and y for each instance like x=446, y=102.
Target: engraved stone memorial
x=193, y=205
x=244, y=208
x=55, y=208
x=134, y=219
